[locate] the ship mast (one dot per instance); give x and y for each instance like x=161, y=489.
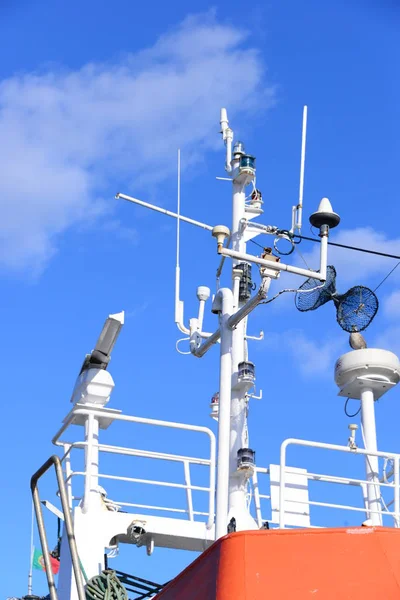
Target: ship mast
x=98, y=521
x=235, y=460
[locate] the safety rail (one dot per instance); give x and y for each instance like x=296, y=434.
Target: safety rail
x=257, y=497
x=54, y=460
x=363, y=484
x=186, y=461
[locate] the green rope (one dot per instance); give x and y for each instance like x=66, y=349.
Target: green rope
x=83, y=570
x=105, y=586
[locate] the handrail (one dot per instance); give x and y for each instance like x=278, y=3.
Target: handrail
x=182, y=486
x=139, y=453
x=149, y=454
x=351, y=481
x=54, y=460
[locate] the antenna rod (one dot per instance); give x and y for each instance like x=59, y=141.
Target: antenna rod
x=164, y=211
x=178, y=223
x=30, y=588
x=302, y=163
x=178, y=301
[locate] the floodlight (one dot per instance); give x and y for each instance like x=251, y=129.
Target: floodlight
x=100, y=356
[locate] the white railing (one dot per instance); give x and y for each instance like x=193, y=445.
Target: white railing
x=394, y=485
x=257, y=497
x=186, y=462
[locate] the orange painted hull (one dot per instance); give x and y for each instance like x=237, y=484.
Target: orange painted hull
x=320, y=564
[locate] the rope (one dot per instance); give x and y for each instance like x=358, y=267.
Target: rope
x=105, y=586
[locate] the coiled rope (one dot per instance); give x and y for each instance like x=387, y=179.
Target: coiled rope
x=105, y=586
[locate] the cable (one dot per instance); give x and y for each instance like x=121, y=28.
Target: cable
x=387, y=276
x=297, y=291
x=288, y=239
x=365, y=250
x=356, y=248
x=185, y=339
x=348, y=414
x=346, y=247
x=302, y=257
x=257, y=244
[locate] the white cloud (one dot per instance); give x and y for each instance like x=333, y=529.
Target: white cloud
x=391, y=305
x=309, y=355
x=313, y=357
x=68, y=135
x=389, y=339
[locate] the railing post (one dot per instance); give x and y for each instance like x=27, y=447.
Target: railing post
x=282, y=481
x=91, y=461
x=188, y=484
x=68, y=471
x=257, y=502
x=396, y=491
x=211, y=497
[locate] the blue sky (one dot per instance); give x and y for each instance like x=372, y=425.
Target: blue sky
x=96, y=99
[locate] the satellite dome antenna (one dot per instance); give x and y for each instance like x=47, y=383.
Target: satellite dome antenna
x=324, y=215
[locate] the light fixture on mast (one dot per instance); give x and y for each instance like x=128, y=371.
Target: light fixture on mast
x=246, y=460
x=95, y=384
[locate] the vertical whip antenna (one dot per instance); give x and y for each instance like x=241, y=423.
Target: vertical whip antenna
x=297, y=211
x=32, y=551
x=227, y=136
x=178, y=301
x=178, y=212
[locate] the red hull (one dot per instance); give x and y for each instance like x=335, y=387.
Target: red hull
x=328, y=564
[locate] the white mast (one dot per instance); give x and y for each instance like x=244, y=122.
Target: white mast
x=238, y=417
x=235, y=462
x=371, y=461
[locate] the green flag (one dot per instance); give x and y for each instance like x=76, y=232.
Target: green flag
x=38, y=562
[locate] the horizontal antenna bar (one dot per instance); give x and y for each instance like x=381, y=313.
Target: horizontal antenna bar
x=276, y=266
x=164, y=211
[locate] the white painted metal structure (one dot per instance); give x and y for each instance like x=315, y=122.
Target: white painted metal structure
x=366, y=374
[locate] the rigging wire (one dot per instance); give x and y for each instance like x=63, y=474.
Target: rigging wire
x=347, y=247
x=301, y=256
x=365, y=250
x=387, y=276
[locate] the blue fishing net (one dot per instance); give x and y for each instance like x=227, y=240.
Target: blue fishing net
x=355, y=309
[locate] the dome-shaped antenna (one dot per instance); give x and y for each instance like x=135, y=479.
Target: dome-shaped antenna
x=324, y=215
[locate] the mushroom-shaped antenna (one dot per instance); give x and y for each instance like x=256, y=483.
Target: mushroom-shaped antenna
x=324, y=215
